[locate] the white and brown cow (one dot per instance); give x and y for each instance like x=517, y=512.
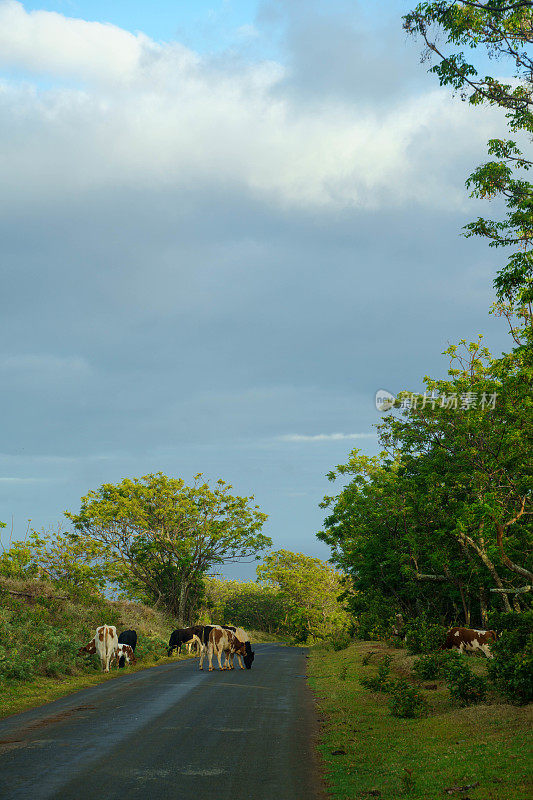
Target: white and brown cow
x=470, y=639
x=124, y=651
x=222, y=641
x=106, y=641
x=242, y=636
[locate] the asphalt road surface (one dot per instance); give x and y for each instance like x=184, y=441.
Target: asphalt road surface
x=171, y=732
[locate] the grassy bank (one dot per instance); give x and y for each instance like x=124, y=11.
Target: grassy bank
x=369, y=753
x=42, y=629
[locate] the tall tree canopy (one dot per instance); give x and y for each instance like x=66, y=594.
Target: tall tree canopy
x=166, y=535
x=459, y=36
x=445, y=514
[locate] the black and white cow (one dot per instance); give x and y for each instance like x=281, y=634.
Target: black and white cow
x=182, y=636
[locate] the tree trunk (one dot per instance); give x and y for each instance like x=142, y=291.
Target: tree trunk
x=483, y=607
x=491, y=568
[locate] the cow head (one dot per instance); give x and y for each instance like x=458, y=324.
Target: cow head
x=249, y=655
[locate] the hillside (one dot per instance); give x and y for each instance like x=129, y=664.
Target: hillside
x=41, y=631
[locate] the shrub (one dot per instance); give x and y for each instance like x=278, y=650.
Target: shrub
x=406, y=701
x=423, y=636
x=465, y=687
x=380, y=682
x=13, y=667
x=432, y=665
x=511, y=669
x=341, y=641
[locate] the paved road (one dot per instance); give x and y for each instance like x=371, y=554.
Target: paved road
x=170, y=732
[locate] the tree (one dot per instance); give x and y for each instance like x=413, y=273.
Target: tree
x=244, y=603
x=76, y=565
x=165, y=535
x=443, y=517
x=502, y=30
x=309, y=589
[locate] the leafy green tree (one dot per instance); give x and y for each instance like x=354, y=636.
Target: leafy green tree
x=165, y=535
x=442, y=519
x=310, y=590
x=73, y=564
x=244, y=603
x=459, y=36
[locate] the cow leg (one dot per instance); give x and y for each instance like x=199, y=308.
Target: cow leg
x=202, y=655
x=210, y=656
x=241, y=665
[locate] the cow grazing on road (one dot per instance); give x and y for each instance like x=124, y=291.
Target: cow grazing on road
x=106, y=641
x=123, y=653
x=128, y=637
x=221, y=641
x=470, y=639
x=243, y=637
x=182, y=636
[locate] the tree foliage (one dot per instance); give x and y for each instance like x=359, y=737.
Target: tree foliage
x=164, y=535
x=309, y=589
x=444, y=514
x=459, y=36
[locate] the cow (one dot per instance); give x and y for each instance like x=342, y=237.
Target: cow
x=89, y=648
x=123, y=653
x=462, y=639
x=243, y=637
x=106, y=642
x=128, y=637
x=221, y=641
x=183, y=636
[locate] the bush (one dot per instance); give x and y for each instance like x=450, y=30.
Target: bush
x=511, y=669
x=423, y=636
x=380, y=682
x=406, y=701
x=432, y=665
x=13, y=667
x=465, y=687
x=341, y=641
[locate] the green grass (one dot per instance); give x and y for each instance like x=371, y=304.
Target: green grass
x=403, y=758
x=17, y=696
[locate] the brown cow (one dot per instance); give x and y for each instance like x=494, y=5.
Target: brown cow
x=470, y=639
x=221, y=641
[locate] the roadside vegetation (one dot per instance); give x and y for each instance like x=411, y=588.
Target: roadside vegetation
x=437, y=527
x=436, y=747
x=42, y=628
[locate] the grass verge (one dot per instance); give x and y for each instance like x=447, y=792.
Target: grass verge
x=19, y=696
x=368, y=753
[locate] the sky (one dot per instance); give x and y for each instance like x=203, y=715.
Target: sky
x=223, y=227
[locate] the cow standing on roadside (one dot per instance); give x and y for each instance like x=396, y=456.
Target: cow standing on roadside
x=106, y=642
x=124, y=653
x=129, y=638
x=470, y=639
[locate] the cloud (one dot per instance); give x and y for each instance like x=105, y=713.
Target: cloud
x=324, y=437
x=149, y=116
x=44, y=363
x=27, y=480
x=50, y=43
